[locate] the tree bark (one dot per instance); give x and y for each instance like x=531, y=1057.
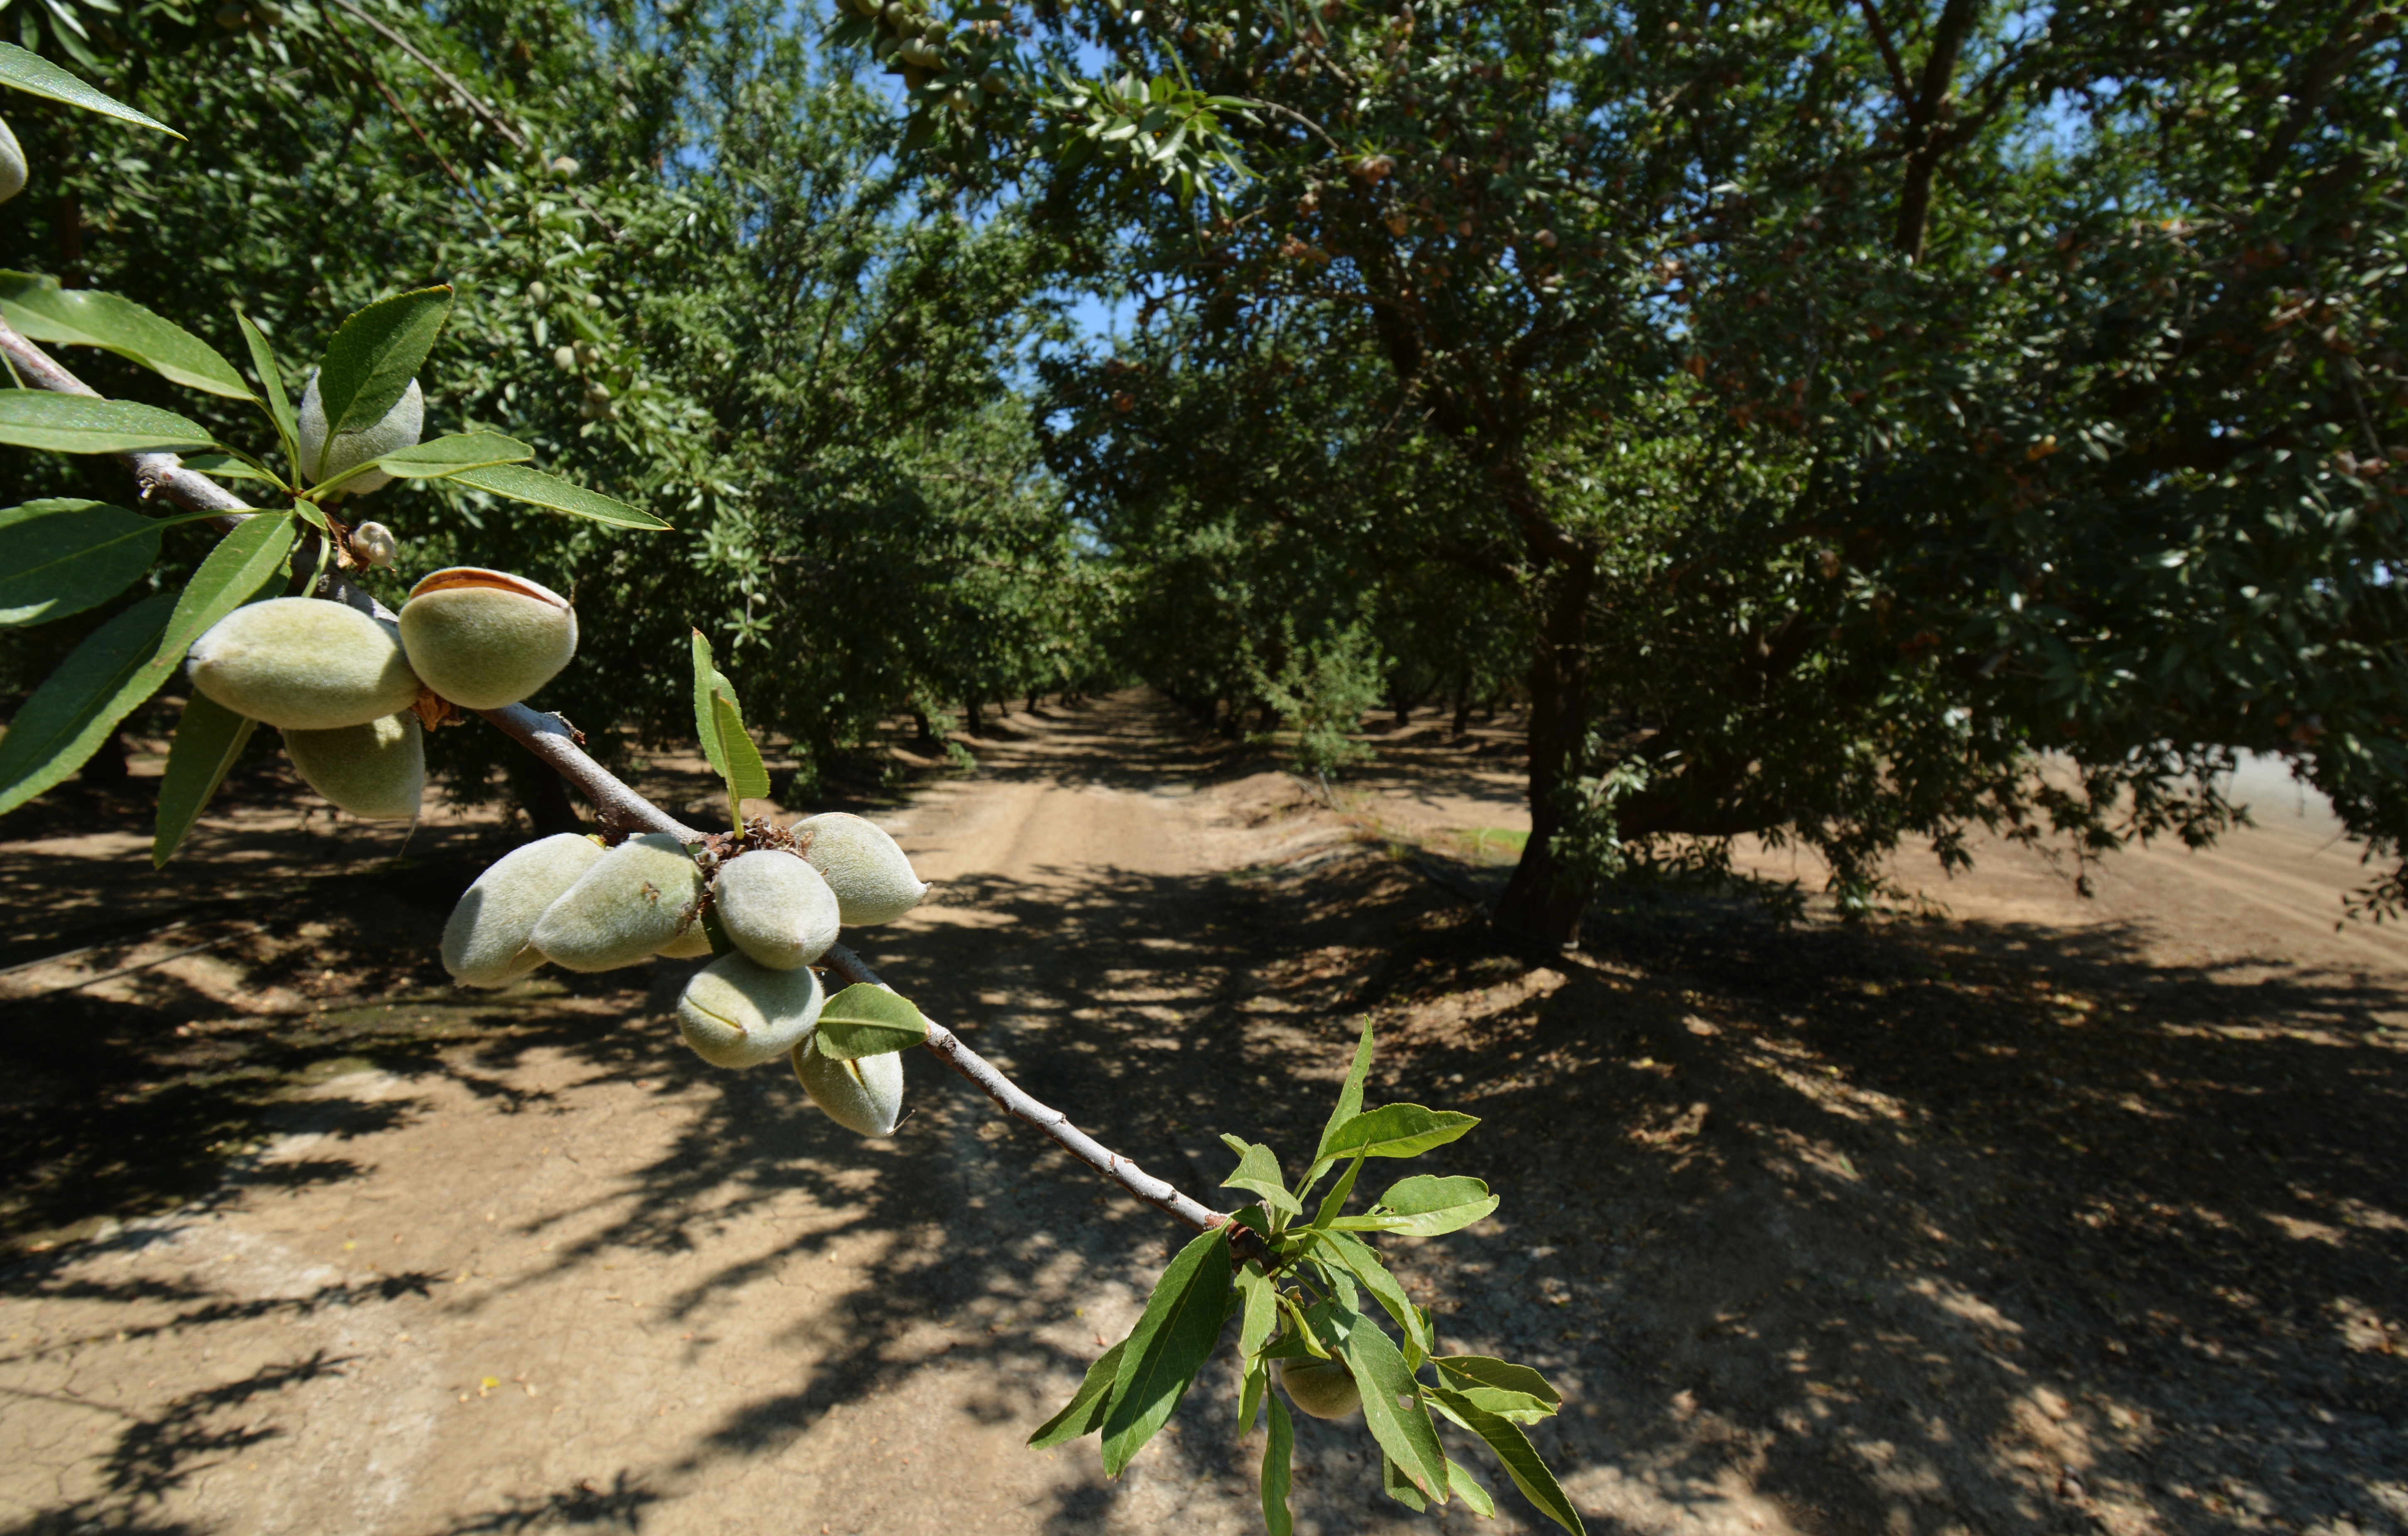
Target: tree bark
x=543, y=794
x=1546, y=897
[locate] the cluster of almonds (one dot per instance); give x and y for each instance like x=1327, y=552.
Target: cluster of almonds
x=341, y=685
x=930, y=54
x=777, y=895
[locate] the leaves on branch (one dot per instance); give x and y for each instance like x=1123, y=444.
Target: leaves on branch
x=37, y=75
x=1083, y=1415
x=209, y=738
x=61, y=556
x=444, y=458
x=77, y=424
x=41, y=311
x=1167, y=1347
x=863, y=1020
x=1398, y=1130
x=374, y=355
x=551, y=493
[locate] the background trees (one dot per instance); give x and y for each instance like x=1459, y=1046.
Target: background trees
x=1844, y=405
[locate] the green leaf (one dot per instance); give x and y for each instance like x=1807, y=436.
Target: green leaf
x=1460, y=1482
x=67, y=718
x=538, y=489
x=1405, y=1432
x=62, y=556
x=870, y=1021
x=747, y=779
x=77, y=424
x=1397, y=1485
x=1258, y=1171
x=238, y=567
x=1362, y=1261
x=1349, y=1104
x=1083, y=1415
x=209, y=738
x=708, y=680
x=1398, y=1130
x=1467, y=1370
x=447, y=456
x=1335, y=1200
x=1250, y=1392
x=1517, y=1456
x=271, y=383
x=1261, y=1295
x=1279, y=1472
x=37, y=75
x=369, y=365
x=1424, y=1206
x=1169, y=1345
x=43, y=312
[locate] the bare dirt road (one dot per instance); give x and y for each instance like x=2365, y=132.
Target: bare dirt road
x=2020, y=1221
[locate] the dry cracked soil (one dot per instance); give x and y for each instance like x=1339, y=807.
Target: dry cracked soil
x=2008, y=1213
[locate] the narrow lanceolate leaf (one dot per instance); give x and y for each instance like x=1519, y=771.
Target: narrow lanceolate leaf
x=42, y=310
x=1250, y=1395
x=870, y=1021
x=37, y=75
x=77, y=424
x=209, y=738
x=369, y=365
x=62, y=556
x=1349, y=1104
x=1397, y=1485
x=1360, y=1260
x=238, y=567
x=1464, y=1372
x=709, y=680
x=1424, y=1206
x=56, y=731
x=1460, y=1482
x=1169, y=1345
x=1279, y=1456
x=747, y=778
x=1260, y=1295
x=448, y=456
x=1392, y=1407
x=1517, y=1456
x=125, y=660
x=538, y=489
x=1083, y=1415
x=1398, y=1130
x=271, y=386
x=1258, y=1171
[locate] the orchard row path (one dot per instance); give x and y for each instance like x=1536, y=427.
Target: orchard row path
x=2050, y=1216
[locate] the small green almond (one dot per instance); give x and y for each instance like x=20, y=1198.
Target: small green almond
x=483, y=638
x=489, y=938
x=303, y=664
x=375, y=771
x=737, y=1012
x=626, y=909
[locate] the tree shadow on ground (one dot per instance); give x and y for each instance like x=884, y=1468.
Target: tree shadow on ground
x=1911, y=1228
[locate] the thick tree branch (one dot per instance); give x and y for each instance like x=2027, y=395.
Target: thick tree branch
x=559, y=744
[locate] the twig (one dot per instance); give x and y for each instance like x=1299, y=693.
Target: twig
x=555, y=741
x=493, y=118
x=1244, y=1242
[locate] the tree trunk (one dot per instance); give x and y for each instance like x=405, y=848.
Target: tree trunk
x=108, y=767
x=1463, y=704
x=970, y=723
x=1544, y=898
x=543, y=794
x=927, y=733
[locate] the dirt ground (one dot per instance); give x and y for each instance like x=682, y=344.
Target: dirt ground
x=2032, y=1215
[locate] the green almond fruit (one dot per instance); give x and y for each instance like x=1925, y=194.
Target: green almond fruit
x=737, y=1012
x=375, y=771
x=694, y=943
x=872, y=880
x=1322, y=1388
x=626, y=909
x=776, y=908
x=303, y=664
x=488, y=941
x=864, y=1095
x=323, y=460
x=483, y=638
x=12, y=164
